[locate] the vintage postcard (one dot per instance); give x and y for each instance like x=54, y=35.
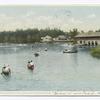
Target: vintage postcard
x=50, y=50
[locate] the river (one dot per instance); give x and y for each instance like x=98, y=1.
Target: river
x=54, y=70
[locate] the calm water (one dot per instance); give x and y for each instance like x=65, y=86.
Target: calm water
x=53, y=69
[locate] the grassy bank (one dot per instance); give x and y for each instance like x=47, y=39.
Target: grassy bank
x=95, y=52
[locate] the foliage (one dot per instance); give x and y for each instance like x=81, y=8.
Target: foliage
x=97, y=30
x=95, y=52
x=28, y=36
x=73, y=32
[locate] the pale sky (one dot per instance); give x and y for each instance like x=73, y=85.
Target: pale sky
x=63, y=17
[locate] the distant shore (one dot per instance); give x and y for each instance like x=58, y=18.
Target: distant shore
x=28, y=36
x=35, y=35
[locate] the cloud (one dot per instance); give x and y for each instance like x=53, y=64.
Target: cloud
x=33, y=20
x=5, y=18
x=75, y=21
x=39, y=21
x=91, y=16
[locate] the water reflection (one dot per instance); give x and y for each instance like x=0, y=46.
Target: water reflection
x=74, y=61
x=6, y=77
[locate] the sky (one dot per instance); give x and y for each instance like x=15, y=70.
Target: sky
x=62, y=17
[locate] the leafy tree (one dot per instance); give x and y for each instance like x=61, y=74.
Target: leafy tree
x=73, y=32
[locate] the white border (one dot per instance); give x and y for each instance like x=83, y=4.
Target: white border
x=49, y=93
x=47, y=2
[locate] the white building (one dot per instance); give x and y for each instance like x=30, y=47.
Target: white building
x=90, y=38
x=47, y=39
x=60, y=38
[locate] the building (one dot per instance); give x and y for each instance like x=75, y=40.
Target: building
x=47, y=39
x=88, y=39
x=60, y=38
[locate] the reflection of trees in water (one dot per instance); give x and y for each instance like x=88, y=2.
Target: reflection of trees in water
x=13, y=49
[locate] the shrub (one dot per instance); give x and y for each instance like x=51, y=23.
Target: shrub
x=95, y=52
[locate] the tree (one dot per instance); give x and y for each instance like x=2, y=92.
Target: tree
x=28, y=35
x=97, y=30
x=73, y=32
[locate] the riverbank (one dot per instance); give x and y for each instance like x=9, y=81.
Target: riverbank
x=95, y=52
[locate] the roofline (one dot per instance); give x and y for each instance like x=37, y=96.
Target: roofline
x=87, y=36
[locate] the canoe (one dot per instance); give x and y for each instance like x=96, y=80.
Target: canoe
x=6, y=71
x=70, y=51
x=31, y=67
x=36, y=54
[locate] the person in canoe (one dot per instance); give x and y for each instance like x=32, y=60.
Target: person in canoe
x=6, y=70
x=30, y=65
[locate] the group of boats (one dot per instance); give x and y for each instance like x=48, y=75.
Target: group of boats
x=70, y=49
x=6, y=70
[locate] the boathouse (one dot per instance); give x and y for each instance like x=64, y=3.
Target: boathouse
x=88, y=39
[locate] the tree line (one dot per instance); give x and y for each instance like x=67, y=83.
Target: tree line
x=32, y=35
